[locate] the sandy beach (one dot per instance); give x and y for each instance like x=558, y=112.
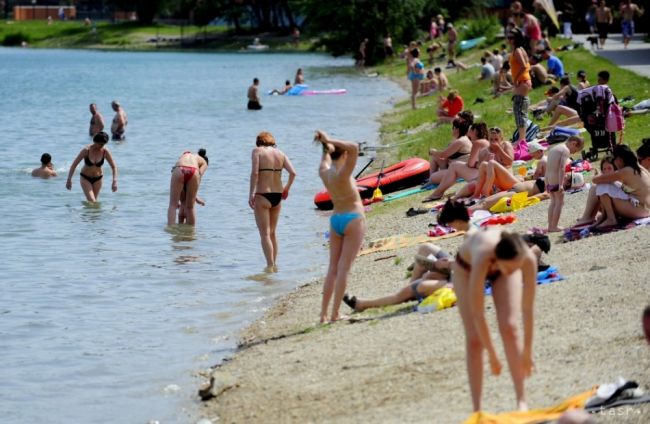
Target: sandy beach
x=395, y=365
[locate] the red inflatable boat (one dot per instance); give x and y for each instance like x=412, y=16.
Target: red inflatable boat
x=405, y=174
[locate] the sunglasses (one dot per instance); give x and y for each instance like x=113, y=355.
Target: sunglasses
x=495, y=130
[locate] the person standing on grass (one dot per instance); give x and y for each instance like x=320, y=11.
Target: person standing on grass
x=522, y=83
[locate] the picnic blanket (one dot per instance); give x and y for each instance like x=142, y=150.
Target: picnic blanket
x=402, y=240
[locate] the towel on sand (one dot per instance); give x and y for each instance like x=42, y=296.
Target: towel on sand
x=400, y=241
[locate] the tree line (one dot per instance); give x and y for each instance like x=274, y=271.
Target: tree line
x=340, y=25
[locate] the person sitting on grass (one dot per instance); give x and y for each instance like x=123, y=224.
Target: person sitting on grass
x=556, y=163
x=502, y=81
x=635, y=182
x=538, y=74
x=432, y=265
x=458, y=149
x=428, y=85
x=582, y=80
x=441, y=79
x=555, y=65
x=565, y=104
x=46, y=170
x=478, y=135
x=450, y=106
x=487, y=70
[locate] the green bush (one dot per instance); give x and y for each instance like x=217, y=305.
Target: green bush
x=481, y=25
x=15, y=39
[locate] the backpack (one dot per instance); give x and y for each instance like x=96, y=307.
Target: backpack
x=532, y=129
x=615, y=121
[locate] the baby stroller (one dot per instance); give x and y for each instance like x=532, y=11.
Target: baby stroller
x=593, y=105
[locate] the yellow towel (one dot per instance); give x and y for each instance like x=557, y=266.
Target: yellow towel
x=533, y=416
x=403, y=240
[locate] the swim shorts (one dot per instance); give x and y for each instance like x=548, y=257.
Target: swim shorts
x=520, y=106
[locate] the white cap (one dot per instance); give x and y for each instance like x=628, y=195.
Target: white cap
x=535, y=146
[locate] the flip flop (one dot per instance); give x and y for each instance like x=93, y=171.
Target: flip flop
x=432, y=199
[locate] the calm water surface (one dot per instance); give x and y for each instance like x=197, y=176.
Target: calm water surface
x=106, y=316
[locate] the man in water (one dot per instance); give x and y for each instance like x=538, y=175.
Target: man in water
x=254, y=96
x=628, y=10
x=287, y=87
x=46, y=170
x=118, y=127
x=96, y=122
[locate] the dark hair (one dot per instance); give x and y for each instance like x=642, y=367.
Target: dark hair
x=623, y=152
x=509, y=247
x=202, y=153
x=604, y=75
x=453, y=211
x=255, y=80
x=287, y=82
x=483, y=59
x=46, y=158
x=495, y=51
x=336, y=153
x=565, y=81
x=506, y=65
x=467, y=116
x=101, y=137
x=517, y=36
x=540, y=240
x=607, y=159
x=481, y=129
x=437, y=70
x=554, y=90
x=643, y=152
x=462, y=126
x=415, y=53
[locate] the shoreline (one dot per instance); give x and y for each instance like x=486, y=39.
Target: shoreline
x=394, y=365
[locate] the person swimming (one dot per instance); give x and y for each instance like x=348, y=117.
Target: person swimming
x=46, y=170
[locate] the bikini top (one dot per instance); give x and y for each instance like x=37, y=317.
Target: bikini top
x=272, y=169
x=97, y=164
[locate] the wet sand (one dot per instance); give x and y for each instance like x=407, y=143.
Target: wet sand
x=395, y=365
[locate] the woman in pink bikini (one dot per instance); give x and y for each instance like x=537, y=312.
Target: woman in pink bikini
x=186, y=177
x=267, y=192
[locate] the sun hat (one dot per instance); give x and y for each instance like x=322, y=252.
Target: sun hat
x=535, y=146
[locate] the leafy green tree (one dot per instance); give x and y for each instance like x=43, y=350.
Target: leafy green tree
x=345, y=23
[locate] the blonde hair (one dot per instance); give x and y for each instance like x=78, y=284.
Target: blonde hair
x=265, y=138
x=452, y=94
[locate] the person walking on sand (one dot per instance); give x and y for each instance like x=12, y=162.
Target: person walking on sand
x=91, y=173
x=347, y=223
x=185, y=179
x=554, y=179
x=96, y=120
x=604, y=19
x=628, y=11
x=46, y=170
x=266, y=192
x=509, y=266
x=120, y=120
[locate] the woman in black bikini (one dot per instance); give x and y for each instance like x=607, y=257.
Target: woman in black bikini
x=503, y=260
x=266, y=192
x=91, y=173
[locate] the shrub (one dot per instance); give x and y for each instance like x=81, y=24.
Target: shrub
x=15, y=39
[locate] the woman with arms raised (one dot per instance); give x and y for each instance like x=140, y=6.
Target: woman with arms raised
x=347, y=223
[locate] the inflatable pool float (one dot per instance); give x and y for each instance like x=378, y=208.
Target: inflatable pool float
x=396, y=177
x=468, y=44
x=303, y=90
x=257, y=47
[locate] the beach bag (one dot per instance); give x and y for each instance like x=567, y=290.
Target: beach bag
x=520, y=149
x=561, y=134
x=531, y=131
x=615, y=121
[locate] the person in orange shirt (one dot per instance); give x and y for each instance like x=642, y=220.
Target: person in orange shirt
x=450, y=107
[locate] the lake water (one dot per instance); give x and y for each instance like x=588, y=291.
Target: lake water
x=106, y=316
